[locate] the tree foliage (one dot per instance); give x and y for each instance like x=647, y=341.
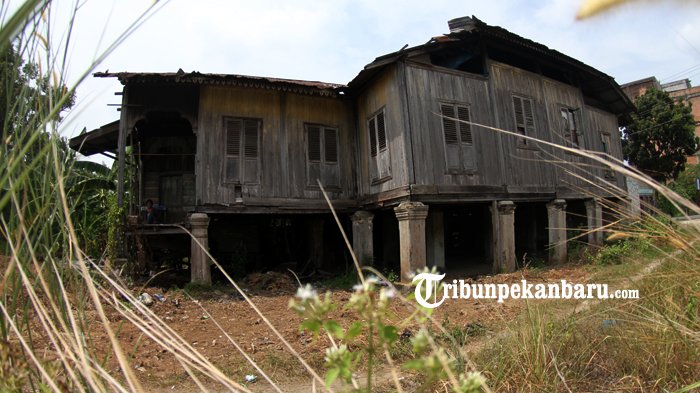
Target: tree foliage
x=660, y=136
x=685, y=186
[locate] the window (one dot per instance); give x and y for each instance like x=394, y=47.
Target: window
x=570, y=124
x=379, y=151
x=607, y=144
x=242, y=152
x=322, y=155
x=524, y=118
x=459, y=142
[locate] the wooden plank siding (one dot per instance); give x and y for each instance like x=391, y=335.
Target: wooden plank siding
x=428, y=88
x=525, y=166
x=505, y=167
x=410, y=95
x=384, y=92
x=282, y=146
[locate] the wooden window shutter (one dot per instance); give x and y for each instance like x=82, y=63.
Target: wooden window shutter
x=330, y=139
x=233, y=137
x=449, y=129
x=251, y=139
x=314, y=143
x=373, y=137
x=234, y=133
x=381, y=132
x=529, y=117
x=449, y=126
x=251, y=151
x=465, y=129
x=519, y=114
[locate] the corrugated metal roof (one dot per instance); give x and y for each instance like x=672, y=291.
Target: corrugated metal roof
x=291, y=85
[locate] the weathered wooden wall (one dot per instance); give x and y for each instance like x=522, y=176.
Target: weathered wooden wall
x=427, y=89
x=383, y=92
x=525, y=167
x=504, y=167
x=282, y=164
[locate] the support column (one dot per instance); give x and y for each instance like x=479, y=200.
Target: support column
x=594, y=216
x=315, y=231
x=556, y=217
x=503, y=225
x=435, y=240
x=411, y=217
x=199, y=261
x=362, y=237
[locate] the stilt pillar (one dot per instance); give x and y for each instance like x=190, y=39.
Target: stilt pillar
x=411, y=217
x=362, y=237
x=315, y=230
x=200, y=266
x=556, y=217
x=594, y=216
x=503, y=219
x=435, y=240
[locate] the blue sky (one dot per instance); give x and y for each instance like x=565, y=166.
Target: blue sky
x=332, y=40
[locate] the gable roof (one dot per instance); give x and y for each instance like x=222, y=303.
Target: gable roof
x=595, y=84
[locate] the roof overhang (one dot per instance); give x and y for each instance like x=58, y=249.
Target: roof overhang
x=100, y=140
x=257, y=82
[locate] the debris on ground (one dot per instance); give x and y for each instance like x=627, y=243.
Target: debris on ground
x=275, y=282
x=146, y=299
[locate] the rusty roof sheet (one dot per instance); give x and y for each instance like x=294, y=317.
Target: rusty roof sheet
x=291, y=85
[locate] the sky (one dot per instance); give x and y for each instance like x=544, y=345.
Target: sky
x=332, y=40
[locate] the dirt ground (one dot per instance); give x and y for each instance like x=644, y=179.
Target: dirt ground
x=271, y=292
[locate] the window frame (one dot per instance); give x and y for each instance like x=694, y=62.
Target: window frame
x=323, y=159
x=523, y=143
x=576, y=115
x=607, y=149
x=374, y=144
x=241, y=151
x=463, y=167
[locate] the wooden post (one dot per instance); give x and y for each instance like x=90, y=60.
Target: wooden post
x=435, y=239
x=315, y=231
x=411, y=217
x=199, y=261
x=594, y=217
x=556, y=216
x=362, y=241
x=503, y=226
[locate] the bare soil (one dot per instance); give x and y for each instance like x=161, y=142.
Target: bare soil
x=271, y=292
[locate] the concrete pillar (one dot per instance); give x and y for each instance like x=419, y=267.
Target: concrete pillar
x=594, y=216
x=556, y=217
x=199, y=261
x=315, y=231
x=435, y=240
x=503, y=226
x=411, y=217
x=362, y=240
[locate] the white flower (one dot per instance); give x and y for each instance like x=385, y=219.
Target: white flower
x=306, y=292
x=336, y=353
x=250, y=378
x=372, y=280
x=387, y=293
x=358, y=287
x=472, y=382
